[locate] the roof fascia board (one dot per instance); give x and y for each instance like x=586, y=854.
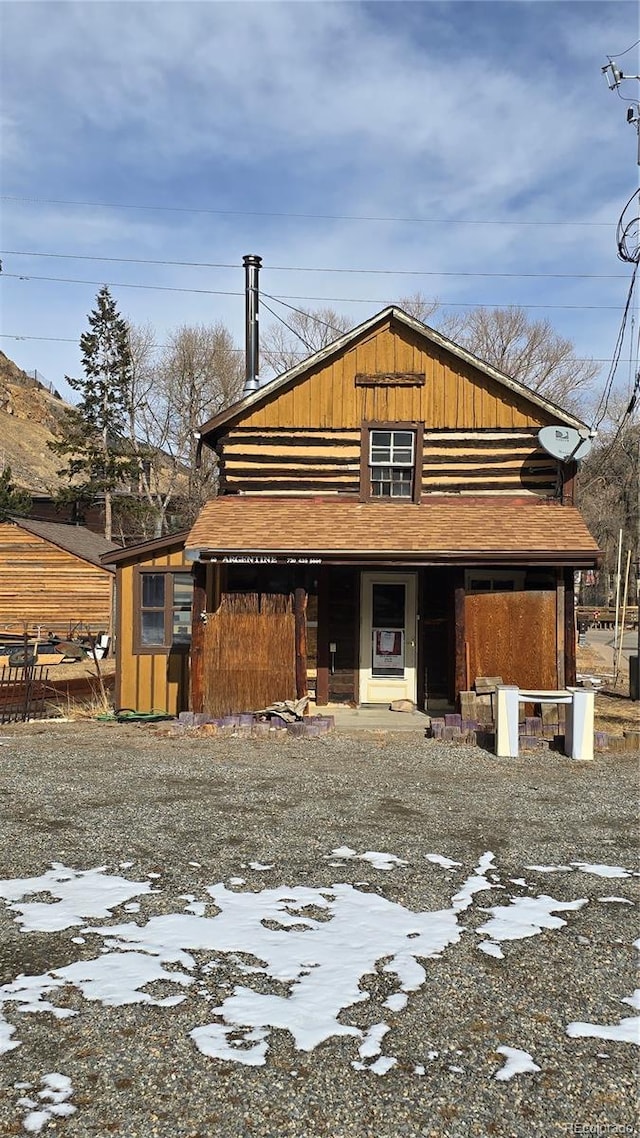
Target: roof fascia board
x=131, y=552
x=391, y=312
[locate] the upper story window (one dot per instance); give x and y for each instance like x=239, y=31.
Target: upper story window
x=391, y=461
x=165, y=601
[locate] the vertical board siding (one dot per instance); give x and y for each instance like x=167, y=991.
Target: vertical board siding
x=455, y=395
x=44, y=585
x=156, y=681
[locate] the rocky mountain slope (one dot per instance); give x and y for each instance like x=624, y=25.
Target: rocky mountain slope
x=30, y=416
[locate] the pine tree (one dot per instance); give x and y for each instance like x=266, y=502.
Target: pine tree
x=100, y=462
x=12, y=499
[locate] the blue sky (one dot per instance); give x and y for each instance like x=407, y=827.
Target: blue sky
x=233, y=118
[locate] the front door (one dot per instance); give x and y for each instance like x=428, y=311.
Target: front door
x=387, y=637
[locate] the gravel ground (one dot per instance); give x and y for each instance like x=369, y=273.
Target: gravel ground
x=89, y=795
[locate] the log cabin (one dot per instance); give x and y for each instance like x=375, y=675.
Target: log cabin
x=387, y=527
x=52, y=577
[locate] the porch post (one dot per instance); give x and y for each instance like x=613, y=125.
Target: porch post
x=460, y=667
x=569, y=629
x=300, y=612
x=197, y=636
x=561, y=639
x=322, y=677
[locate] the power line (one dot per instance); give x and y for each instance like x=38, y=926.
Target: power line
x=603, y=404
x=76, y=340
x=304, y=216
x=312, y=268
x=316, y=299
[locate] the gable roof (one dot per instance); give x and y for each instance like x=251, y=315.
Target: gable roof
x=324, y=355
x=78, y=540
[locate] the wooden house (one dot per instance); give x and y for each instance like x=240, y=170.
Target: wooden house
x=154, y=589
x=387, y=527
x=52, y=577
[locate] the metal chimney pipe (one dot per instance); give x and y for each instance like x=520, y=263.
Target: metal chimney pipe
x=252, y=265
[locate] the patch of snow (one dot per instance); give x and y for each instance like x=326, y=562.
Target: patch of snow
x=56, y=1092
x=519, y=881
x=237, y=881
x=491, y=949
x=396, y=1001
x=154, y=876
x=440, y=859
x=456, y=1070
x=259, y=867
x=79, y=894
x=225, y=1042
x=527, y=916
x=626, y=1031
x=382, y=861
x=383, y=1064
x=633, y=1001
x=126, y=864
x=371, y=1044
x=117, y=977
x=550, y=868
x=475, y=884
x=6, y=1031
x=419, y=1069
x=616, y=900
x=518, y=1063
x=602, y=870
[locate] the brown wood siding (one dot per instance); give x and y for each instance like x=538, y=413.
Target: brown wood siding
x=156, y=681
x=276, y=460
x=44, y=585
x=513, y=635
x=455, y=394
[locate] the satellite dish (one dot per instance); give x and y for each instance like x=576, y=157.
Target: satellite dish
x=565, y=443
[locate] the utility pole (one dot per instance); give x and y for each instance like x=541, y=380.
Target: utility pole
x=615, y=77
x=629, y=250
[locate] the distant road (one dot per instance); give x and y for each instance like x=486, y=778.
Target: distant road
x=603, y=638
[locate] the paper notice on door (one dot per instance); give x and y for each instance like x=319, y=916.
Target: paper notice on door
x=388, y=649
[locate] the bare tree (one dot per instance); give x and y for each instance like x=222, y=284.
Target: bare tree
x=173, y=392
x=608, y=483
x=528, y=350
x=306, y=331
x=418, y=306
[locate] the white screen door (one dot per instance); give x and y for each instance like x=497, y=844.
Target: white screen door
x=387, y=637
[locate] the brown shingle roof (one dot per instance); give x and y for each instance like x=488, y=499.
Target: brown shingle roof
x=79, y=540
x=442, y=529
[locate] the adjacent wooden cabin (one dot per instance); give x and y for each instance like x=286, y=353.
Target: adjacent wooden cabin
x=52, y=577
x=387, y=527
x=154, y=590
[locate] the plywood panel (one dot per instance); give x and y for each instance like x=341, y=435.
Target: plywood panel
x=513, y=635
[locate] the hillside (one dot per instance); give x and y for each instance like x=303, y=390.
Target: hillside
x=29, y=418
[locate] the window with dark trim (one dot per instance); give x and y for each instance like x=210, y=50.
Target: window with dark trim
x=165, y=601
x=391, y=461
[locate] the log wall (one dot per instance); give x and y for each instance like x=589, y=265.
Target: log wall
x=327, y=460
x=41, y=584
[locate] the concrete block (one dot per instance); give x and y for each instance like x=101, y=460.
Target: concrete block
x=453, y=721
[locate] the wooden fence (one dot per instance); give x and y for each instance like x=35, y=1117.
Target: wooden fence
x=249, y=653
